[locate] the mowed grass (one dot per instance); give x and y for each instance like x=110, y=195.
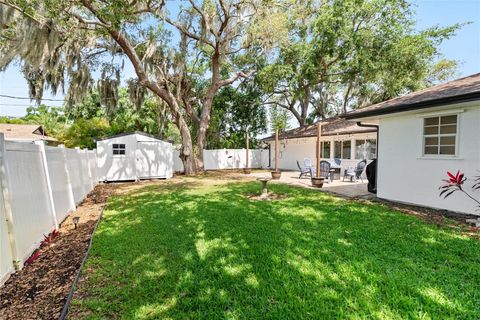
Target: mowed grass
x=194, y=250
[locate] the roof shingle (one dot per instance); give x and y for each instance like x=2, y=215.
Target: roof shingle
x=459, y=90
x=24, y=132
x=330, y=127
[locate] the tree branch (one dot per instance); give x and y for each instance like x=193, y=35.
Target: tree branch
x=189, y=34
x=235, y=77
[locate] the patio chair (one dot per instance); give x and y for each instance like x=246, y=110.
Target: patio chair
x=325, y=170
x=355, y=173
x=307, y=163
x=303, y=170
x=337, y=162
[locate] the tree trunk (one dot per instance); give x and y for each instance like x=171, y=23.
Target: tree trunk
x=186, y=152
x=205, y=122
x=201, y=142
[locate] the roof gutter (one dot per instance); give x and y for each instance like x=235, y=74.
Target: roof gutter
x=415, y=106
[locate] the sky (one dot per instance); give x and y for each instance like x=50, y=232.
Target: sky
x=464, y=47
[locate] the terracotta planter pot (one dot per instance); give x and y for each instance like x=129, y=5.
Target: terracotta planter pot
x=247, y=170
x=276, y=175
x=317, y=182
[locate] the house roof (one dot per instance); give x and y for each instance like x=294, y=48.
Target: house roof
x=330, y=127
x=24, y=132
x=461, y=90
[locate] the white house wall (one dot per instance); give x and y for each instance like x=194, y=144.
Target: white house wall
x=404, y=175
x=293, y=150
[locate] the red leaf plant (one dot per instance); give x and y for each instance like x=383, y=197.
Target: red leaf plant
x=48, y=240
x=33, y=257
x=455, y=183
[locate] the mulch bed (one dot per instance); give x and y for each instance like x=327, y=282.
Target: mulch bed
x=40, y=289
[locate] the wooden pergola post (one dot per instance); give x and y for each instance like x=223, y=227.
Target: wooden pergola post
x=276, y=150
x=247, y=160
x=319, y=146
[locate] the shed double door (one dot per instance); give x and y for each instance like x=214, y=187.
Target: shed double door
x=151, y=160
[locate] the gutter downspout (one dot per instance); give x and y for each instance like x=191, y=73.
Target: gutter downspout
x=376, y=126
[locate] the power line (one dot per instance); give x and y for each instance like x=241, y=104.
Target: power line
x=27, y=98
x=19, y=105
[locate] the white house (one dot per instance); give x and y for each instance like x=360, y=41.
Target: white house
x=423, y=135
x=340, y=139
x=134, y=156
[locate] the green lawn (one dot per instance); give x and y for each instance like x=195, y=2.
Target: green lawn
x=203, y=251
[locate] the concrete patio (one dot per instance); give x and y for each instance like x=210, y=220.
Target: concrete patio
x=345, y=189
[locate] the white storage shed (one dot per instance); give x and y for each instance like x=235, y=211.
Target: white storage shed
x=134, y=156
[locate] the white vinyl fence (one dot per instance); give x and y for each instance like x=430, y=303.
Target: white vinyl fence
x=40, y=185
x=219, y=159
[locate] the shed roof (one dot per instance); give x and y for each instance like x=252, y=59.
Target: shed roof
x=123, y=134
x=330, y=127
x=26, y=132
x=456, y=91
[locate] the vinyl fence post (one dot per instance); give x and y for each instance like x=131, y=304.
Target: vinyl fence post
x=51, y=201
x=71, y=198
x=95, y=171
x=89, y=170
x=7, y=204
x=80, y=161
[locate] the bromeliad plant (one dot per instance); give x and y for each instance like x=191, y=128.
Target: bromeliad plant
x=33, y=257
x=48, y=240
x=455, y=183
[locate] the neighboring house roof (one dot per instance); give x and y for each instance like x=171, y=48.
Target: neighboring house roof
x=330, y=127
x=24, y=132
x=456, y=91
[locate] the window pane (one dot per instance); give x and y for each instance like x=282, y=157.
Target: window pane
x=450, y=150
x=431, y=150
x=431, y=130
x=448, y=129
x=359, y=149
x=115, y=146
x=449, y=120
x=431, y=141
x=338, y=149
x=371, y=149
x=346, y=149
x=115, y=151
x=122, y=151
x=434, y=141
x=431, y=121
x=447, y=140
x=121, y=146
x=325, y=149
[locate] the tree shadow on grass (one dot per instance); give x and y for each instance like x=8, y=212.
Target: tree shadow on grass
x=208, y=252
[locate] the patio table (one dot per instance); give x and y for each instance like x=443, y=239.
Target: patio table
x=335, y=171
